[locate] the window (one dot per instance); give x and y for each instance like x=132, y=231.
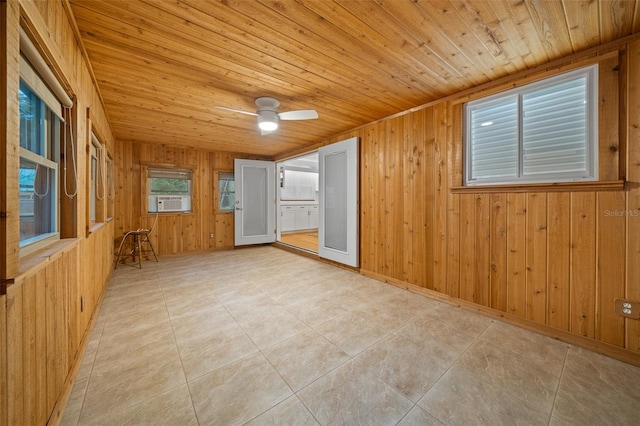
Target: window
x=111, y=190
x=38, y=180
x=96, y=177
x=542, y=132
x=226, y=192
x=169, y=190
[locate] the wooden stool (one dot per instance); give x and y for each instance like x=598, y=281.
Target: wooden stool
x=137, y=240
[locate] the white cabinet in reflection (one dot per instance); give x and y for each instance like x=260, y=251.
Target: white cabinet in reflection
x=298, y=217
x=288, y=219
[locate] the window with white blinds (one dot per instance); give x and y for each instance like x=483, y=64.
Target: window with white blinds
x=543, y=132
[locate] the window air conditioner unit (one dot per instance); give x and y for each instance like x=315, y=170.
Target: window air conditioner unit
x=170, y=203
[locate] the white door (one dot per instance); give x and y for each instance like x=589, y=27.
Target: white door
x=338, y=231
x=255, y=202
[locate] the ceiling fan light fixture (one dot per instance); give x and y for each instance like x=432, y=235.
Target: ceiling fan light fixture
x=268, y=122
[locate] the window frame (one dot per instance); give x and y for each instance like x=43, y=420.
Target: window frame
x=111, y=192
x=49, y=137
x=163, y=170
x=221, y=193
x=590, y=73
x=96, y=181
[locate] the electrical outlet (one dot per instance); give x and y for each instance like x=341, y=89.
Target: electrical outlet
x=627, y=308
x=211, y=235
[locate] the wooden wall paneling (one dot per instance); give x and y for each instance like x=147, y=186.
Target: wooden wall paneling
x=441, y=195
x=169, y=233
x=608, y=121
x=73, y=284
x=29, y=354
x=516, y=253
x=536, y=266
x=81, y=214
x=57, y=357
x=224, y=225
x=425, y=215
x=411, y=157
x=454, y=178
x=611, y=225
x=386, y=207
x=40, y=353
x=453, y=245
x=623, y=112
x=558, y=259
x=15, y=356
x=498, y=252
x=416, y=198
x=208, y=185
x=209, y=223
x=379, y=204
x=367, y=199
x=393, y=198
x=583, y=261
x=35, y=298
x=632, y=289
x=483, y=237
x=50, y=309
x=468, y=254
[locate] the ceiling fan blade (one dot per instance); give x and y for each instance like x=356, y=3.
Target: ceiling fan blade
x=303, y=114
x=236, y=110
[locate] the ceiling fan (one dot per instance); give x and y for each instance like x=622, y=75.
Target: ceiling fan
x=268, y=115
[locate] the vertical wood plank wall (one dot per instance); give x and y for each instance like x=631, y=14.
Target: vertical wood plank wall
x=180, y=232
x=558, y=259
x=52, y=295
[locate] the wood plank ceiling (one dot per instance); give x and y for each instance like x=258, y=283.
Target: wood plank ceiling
x=163, y=65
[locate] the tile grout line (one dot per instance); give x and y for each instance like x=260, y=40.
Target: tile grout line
x=492, y=322
x=175, y=341
x=555, y=397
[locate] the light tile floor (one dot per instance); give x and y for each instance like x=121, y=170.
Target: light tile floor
x=264, y=336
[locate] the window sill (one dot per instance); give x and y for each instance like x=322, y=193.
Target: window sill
x=153, y=214
x=46, y=254
x=96, y=226
x=613, y=185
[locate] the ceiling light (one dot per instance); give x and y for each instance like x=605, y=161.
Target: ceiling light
x=268, y=121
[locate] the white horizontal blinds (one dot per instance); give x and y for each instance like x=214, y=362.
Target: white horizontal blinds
x=493, y=128
x=169, y=182
x=170, y=173
x=554, y=129
x=542, y=132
